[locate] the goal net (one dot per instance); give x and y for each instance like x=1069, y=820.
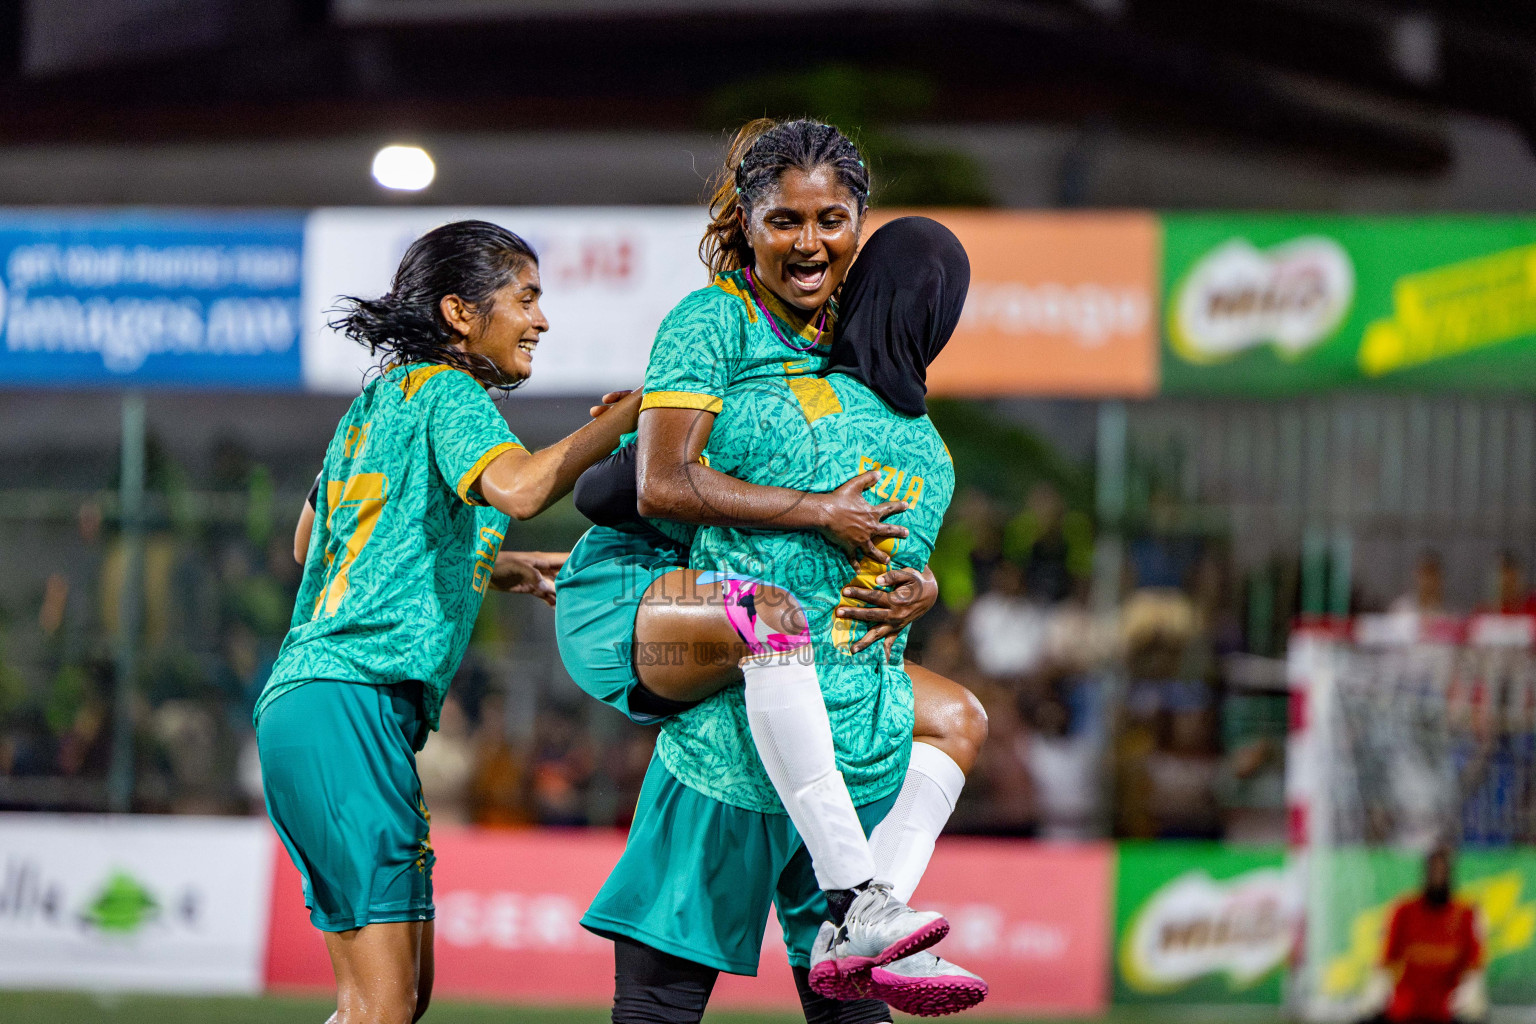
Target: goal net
x=1406, y=731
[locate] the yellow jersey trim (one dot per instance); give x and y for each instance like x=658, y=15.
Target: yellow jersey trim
x=681, y=400
x=777, y=307
x=414, y=379
x=730, y=287
x=468, y=479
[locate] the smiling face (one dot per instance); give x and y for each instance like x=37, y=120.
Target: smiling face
x=509, y=333
x=803, y=236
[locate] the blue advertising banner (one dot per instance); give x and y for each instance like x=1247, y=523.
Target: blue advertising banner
x=102, y=299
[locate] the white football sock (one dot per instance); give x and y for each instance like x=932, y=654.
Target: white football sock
x=903, y=841
x=789, y=723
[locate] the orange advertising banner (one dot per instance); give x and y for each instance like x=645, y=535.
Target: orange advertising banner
x=1061, y=304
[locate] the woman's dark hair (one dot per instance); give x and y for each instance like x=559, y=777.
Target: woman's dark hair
x=759, y=155
x=472, y=259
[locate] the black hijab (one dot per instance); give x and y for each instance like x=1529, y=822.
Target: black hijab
x=899, y=306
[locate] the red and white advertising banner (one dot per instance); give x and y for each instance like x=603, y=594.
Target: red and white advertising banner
x=609, y=274
x=134, y=903
x=1032, y=919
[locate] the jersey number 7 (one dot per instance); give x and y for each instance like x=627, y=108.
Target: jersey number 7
x=366, y=492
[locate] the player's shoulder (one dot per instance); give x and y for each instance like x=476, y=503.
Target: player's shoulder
x=918, y=431
x=705, y=321
x=722, y=300
x=428, y=382
x=426, y=390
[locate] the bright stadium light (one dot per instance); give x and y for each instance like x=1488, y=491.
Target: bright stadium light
x=406, y=168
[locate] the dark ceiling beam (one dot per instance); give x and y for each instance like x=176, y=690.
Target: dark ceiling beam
x=1480, y=58
x=990, y=60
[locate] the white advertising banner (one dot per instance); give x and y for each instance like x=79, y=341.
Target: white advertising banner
x=149, y=903
x=609, y=273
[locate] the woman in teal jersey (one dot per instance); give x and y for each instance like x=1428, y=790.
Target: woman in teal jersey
x=418, y=485
x=640, y=631
x=711, y=847
x=787, y=214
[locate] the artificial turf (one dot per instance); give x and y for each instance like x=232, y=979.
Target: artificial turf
x=76, y=1008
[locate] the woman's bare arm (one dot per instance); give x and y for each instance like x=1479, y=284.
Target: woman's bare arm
x=523, y=484
x=302, y=531
x=673, y=484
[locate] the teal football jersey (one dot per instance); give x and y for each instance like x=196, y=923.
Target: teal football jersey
x=402, y=549
x=717, y=339
x=814, y=433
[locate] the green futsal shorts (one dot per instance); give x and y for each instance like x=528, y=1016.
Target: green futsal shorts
x=697, y=877
x=338, y=765
x=598, y=593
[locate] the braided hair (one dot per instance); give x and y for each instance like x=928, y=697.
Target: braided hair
x=759, y=155
x=472, y=259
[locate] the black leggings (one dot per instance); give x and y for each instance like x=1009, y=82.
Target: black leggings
x=652, y=987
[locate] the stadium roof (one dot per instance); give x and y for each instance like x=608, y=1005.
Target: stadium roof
x=1351, y=83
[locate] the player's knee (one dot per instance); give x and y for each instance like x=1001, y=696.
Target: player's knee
x=389, y=1004
x=652, y=987
x=971, y=721
x=781, y=611
x=957, y=726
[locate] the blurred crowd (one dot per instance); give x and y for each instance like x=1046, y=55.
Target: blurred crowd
x=1103, y=722
x=1162, y=716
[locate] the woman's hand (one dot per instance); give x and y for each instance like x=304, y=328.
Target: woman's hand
x=911, y=596
x=855, y=525
x=528, y=572
x=522, y=484
x=609, y=400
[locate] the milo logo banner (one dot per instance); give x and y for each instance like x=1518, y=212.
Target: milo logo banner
x=1273, y=305
x=1350, y=918
x=1202, y=923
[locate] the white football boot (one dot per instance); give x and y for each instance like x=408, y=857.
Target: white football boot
x=877, y=930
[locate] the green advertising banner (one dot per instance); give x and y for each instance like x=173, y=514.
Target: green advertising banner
x=1275, y=305
x=1201, y=923
x=1351, y=917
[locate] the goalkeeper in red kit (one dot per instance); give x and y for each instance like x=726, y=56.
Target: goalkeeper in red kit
x=1433, y=959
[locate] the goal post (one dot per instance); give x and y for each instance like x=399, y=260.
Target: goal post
x=1406, y=731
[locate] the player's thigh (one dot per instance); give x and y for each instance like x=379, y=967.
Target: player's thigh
x=339, y=773
x=685, y=647
x=948, y=716
x=696, y=878
x=377, y=971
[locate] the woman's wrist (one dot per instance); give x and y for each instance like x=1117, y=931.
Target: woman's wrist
x=810, y=513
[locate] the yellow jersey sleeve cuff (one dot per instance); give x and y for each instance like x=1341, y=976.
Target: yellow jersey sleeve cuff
x=680, y=400
x=468, y=479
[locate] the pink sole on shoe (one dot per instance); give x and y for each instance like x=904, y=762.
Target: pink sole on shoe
x=848, y=978
x=926, y=997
